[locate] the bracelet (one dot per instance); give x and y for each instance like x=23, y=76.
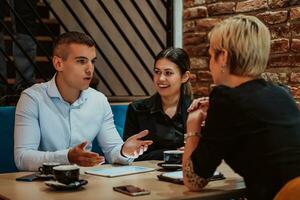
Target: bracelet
x=190, y=134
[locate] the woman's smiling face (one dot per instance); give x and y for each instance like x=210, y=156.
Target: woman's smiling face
x=167, y=78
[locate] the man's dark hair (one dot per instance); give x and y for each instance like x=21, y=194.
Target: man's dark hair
x=68, y=38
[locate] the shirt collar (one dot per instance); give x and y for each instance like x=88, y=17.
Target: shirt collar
x=53, y=92
x=157, y=105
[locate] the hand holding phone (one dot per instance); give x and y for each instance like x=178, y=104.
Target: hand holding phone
x=131, y=190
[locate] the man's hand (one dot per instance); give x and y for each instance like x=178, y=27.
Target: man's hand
x=133, y=146
x=78, y=155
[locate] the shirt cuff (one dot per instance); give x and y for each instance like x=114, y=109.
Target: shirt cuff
x=62, y=156
x=119, y=157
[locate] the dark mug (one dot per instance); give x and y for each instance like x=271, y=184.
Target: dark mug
x=47, y=168
x=173, y=156
x=66, y=174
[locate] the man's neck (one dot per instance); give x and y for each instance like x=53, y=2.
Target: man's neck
x=70, y=95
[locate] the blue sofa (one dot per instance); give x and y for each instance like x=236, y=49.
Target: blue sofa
x=7, y=120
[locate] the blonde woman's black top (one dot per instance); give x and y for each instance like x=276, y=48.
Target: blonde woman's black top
x=255, y=128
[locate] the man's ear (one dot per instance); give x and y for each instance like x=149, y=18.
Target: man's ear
x=185, y=77
x=57, y=63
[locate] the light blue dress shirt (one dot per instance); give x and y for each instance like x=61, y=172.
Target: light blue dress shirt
x=46, y=126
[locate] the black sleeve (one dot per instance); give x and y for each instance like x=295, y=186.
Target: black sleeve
x=218, y=135
x=131, y=124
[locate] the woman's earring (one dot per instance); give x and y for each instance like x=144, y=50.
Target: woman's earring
x=222, y=68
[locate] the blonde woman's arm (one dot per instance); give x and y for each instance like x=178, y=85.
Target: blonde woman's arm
x=192, y=139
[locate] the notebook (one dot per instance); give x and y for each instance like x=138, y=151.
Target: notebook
x=177, y=177
x=119, y=171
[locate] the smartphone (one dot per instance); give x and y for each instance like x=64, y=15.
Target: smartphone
x=131, y=190
x=27, y=178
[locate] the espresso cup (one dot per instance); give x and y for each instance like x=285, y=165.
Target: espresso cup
x=66, y=174
x=47, y=168
x=173, y=156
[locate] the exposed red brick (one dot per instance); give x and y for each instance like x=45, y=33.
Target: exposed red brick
x=280, y=45
x=201, y=90
x=274, y=17
x=295, y=60
x=251, y=5
x=199, y=50
x=199, y=63
x=211, y=1
x=206, y=24
x=282, y=31
x=282, y=17
x=295, y=89
x=194, y=38
x=295, y=46
x=294, y=2
x=279, y=61
x=188, y=3
x=189, y=26
x=295, y=13
x=295, y=77
x=283, y=77
x=193, y=78
x=192, y=3
x=278, y=3
x=276, y=77
x=221, y=8
x=295, y=30
x=204, y=76
x=195, y=12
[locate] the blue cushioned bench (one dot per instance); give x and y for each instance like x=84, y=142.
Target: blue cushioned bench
x=7, y=120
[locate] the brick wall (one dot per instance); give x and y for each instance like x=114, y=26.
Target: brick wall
x=281, y=16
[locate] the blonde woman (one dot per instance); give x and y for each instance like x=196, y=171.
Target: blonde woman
x=252, y=124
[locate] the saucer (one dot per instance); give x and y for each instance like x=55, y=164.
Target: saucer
x=60, y=186
x=170, y=167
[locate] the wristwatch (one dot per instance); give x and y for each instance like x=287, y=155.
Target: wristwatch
x=190, y=134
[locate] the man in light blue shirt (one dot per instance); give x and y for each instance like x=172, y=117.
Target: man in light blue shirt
x=57, y=121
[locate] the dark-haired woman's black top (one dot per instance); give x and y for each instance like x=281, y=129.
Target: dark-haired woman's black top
x=165, y=132
x=255, y=128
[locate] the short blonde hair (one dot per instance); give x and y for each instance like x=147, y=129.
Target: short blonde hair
x=247, y=41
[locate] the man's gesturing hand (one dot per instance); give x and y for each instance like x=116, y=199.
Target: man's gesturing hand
x=78, y=155
x=133, y=147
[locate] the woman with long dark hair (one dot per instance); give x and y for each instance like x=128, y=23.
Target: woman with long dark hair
x=164, y=114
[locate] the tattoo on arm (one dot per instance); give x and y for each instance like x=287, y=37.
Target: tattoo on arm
x=195, y=182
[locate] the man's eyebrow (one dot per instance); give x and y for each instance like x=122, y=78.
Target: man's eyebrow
x=81, y=57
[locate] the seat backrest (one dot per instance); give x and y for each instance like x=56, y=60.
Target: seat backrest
x=7, y=120
x=119, y=112
x=290, y=191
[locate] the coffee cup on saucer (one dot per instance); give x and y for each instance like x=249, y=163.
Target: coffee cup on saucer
x=66, y=174
x=173, y=156
x=47, y=168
